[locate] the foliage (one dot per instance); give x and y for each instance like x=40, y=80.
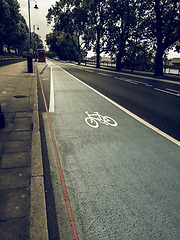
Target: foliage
x=62, y=46
x=129, y=30
x=165, y=28
x=69, y=18
x=13, y=28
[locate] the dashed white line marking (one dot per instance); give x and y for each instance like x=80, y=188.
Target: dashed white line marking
x=104, y=74
x=88, y=70
x=127, y=80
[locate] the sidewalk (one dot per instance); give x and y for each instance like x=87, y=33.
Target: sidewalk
x=22, y=197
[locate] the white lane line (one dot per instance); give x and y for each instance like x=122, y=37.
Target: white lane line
x=173, y=90
x=133, y=81
x=128, y=74
x=128, y=112
x=164, y=91
x=104, y=74
x=50, y=63
x=127, y=80
x=51, y=101
x=88, y=70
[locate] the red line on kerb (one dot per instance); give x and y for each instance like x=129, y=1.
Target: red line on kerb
x=71, y=219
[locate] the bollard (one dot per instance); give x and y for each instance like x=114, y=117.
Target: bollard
x=30, y=64
x=2, y=119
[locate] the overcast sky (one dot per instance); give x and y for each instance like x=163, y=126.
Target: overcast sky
x=38, y=17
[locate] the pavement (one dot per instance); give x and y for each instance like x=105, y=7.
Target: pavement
x=22, y=196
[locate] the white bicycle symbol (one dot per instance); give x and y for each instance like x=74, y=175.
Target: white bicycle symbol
x=92, y=119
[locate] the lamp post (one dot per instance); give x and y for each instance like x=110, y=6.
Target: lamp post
x=29, y=58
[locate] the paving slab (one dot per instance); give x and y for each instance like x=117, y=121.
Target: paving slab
x=15, y=229
x=14, y=203
x=14, y=178
x=18, y=100
x=13, y=160
x=17, y=146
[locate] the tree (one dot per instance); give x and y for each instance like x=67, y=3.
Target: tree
x=164, y=25
x=122, y=20
x=60, y=45
x=13, y=28
x=20, y=42
x=69, y=18
x=97, y=18
x=37, y=43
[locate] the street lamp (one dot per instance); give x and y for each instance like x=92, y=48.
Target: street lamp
x=30, y=65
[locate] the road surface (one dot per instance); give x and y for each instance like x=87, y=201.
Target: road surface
x=121, y=174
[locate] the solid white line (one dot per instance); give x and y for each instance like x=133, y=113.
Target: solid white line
x=128, y=112
x=51, y=101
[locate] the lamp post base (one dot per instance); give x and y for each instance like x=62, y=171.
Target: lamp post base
x=2, y=119
x=30, y=64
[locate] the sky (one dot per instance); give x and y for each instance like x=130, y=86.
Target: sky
x=38, y=18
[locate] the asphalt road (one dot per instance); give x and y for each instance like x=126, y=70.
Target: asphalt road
x=156, y=101
x=122, y=178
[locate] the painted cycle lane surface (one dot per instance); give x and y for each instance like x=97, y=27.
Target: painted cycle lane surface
x=122, y=181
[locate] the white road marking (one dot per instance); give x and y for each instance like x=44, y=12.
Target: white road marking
x=173, y=90
x=92, y=119
x=133, y=82
x=104, y=74
x=51, y=101
x=128, y=112
x=129, y=74
x=127, y=80
x=50, y=63
x=88, y=70
x=161, y=90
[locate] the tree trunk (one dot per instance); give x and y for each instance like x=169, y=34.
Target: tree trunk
x=9, y=50
x=79, y=51
x=120, y=54
x=98, y=49
x=1, y=49
x=158, y=69
x=119, y=60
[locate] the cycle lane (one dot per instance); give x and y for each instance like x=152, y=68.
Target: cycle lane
x=123, y=181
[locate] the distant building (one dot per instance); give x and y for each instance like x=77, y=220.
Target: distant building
x=175, y=62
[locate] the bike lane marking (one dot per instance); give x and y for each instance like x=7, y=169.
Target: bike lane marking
x=94, y=117
x=128, y=112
